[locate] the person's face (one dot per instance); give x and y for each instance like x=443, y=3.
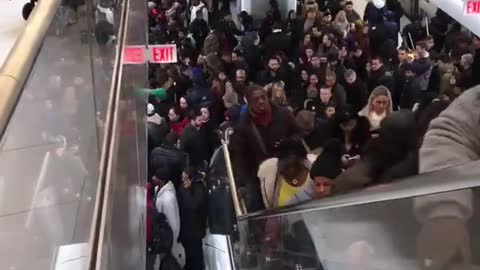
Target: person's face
x=329, y=111
x=327, y=18
x=292, y=16
x=350, y=79
x=198, y=121
x=325, y=95
x=343, y=52
x=240, y=77
x=380, y=104
x=311, y=15
x=222, y=76
x=173, y=116
x=183, y=103
x=402, y=56
x=309, y=53
x=315, y=61
x=419, y=50
x=227, y=58
x=326, y=41
x=156, y=181
x=313, y=80
x=205, y=114
x=330, y=81
x=258, y=101
x=273, y=64
x=408, y=73
x=235, y=57
x=349, y=8
x=376, y=65
x=322, y=186
x=289, y=167
x=349, y=125
x=430, y=44
x=304, y=75
x=277, y=91
x=307, y=39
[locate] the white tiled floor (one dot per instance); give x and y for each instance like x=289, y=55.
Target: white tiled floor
x=11, y=24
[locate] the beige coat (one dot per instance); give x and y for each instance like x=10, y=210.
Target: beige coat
x=267, y=173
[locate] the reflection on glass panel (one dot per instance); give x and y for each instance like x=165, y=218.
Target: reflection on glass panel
x=49, y=155
x=428, y=232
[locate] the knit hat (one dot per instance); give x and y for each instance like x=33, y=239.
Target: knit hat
x=329, y=163
x=150, y=109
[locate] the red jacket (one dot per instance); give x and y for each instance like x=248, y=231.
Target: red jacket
x=178, y=127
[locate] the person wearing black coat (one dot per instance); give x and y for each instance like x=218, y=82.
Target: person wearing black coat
x=380, y=75
x=167, y=155
x=476, y=60
x=193, y=139
x=277, y=41
x=256, y=137
x=193, y=205
x=411, y=88
x=356, y=90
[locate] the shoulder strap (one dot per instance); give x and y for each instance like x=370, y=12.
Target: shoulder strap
x=259, y=139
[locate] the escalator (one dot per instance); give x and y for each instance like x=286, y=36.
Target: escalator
x=426, y=222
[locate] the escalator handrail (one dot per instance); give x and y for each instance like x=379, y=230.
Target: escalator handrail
x=450, y=179
x=19, y=62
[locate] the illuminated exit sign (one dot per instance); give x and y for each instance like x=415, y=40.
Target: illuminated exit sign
x=163, y=53
x=158, y=54
x=472, y=7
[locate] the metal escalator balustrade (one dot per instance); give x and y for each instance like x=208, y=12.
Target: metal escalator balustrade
x=54, y=90
x=423, y=222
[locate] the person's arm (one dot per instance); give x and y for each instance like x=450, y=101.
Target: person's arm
x=452, y=139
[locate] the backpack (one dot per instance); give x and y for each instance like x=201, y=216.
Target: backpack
x=162, y=235
x=169, y=263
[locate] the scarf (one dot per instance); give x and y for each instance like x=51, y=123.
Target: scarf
x=262, y=119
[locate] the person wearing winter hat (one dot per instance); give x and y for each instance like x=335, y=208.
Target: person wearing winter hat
x=326, y=168
x=152, y=116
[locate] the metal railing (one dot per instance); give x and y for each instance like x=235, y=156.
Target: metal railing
x=445, y=180
x=16, y=68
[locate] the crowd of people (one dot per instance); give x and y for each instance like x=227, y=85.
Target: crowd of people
x=321, y=101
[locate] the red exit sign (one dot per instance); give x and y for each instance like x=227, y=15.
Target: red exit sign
x=472, y=7
x=134, y=55
x=161, y=54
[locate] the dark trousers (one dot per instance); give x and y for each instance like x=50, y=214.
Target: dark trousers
x=193, y=254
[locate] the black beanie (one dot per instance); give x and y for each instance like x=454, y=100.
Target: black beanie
x=329, y=163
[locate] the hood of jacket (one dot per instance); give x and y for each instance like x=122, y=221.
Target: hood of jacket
x=167, y=188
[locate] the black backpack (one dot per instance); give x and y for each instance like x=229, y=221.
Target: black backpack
x=162, y=235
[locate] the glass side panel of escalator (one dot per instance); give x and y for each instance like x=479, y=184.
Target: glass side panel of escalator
x=49, y=154
x=438, y=231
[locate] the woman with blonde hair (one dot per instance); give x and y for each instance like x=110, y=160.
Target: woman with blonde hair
x=379, y=107
x=341, y=24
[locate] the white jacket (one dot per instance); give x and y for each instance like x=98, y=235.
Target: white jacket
x=166, y=203
x=194, y=9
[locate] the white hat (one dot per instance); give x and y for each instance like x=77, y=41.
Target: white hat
x=379, y=3
x=150, y=109
x=151, y=5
